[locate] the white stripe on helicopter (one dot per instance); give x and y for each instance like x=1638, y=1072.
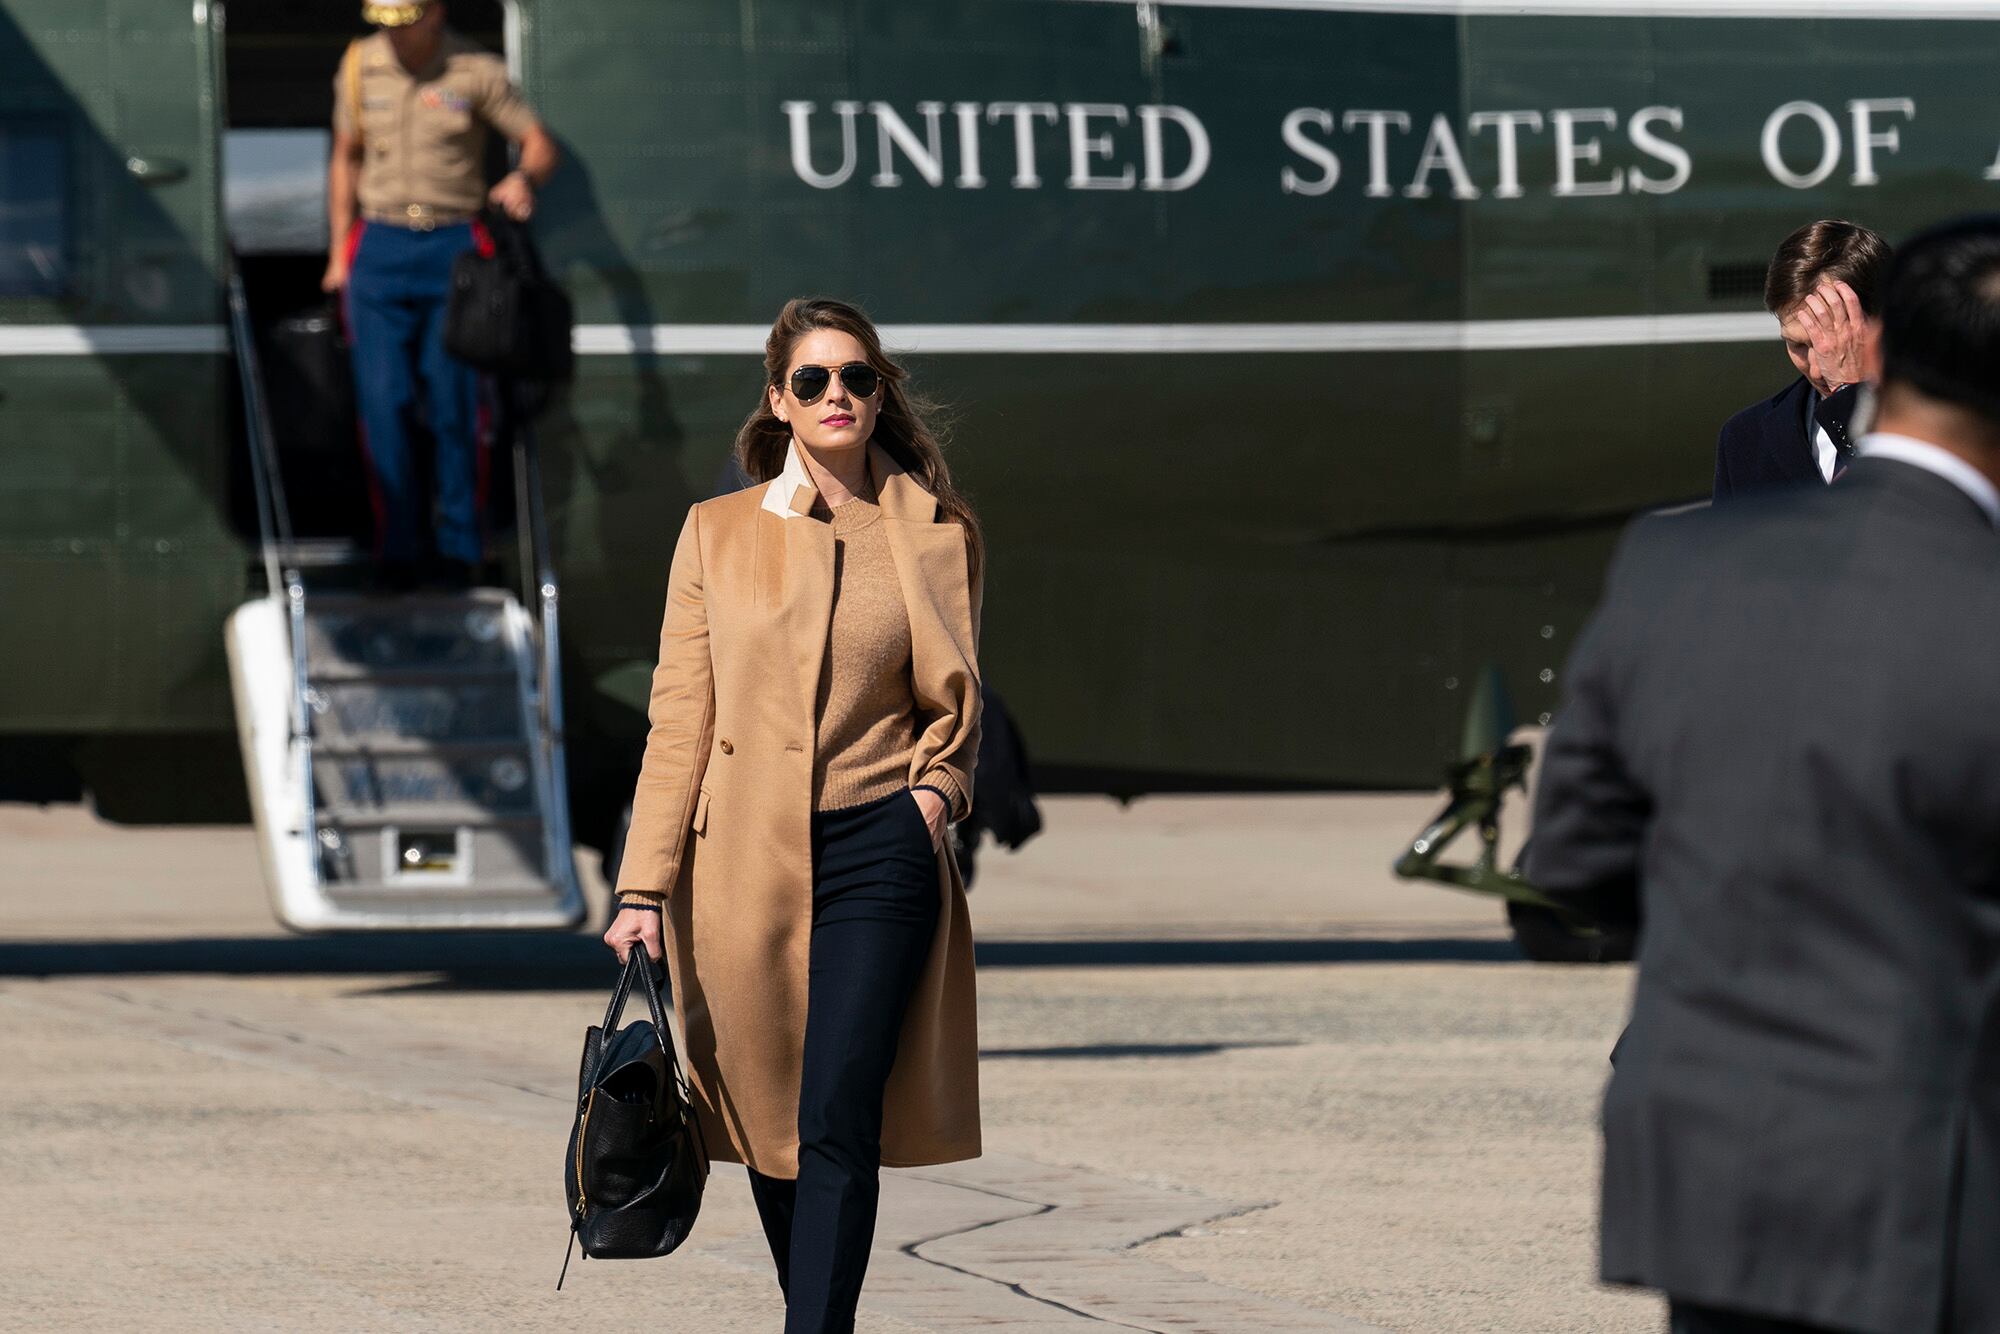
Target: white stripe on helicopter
x=696, y=340
x=1617, y=9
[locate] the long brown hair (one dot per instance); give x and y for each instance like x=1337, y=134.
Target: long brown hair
x=900, y=425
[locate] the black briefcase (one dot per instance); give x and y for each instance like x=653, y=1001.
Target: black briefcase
x=504, y=314
x=309, y=383
x=637, y=1164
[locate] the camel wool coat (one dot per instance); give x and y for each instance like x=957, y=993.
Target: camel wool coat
x=721, y=819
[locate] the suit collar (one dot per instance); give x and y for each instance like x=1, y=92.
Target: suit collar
x=791, y=494
x=1914, y=485
x=1938, y=463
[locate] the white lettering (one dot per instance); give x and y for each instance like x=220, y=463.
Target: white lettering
x=800, y=116
x=1024, y=114
x=892, y=130
x=968, y=146
x=1155, y=150
x=1643, y=139
x=1085, y=146
x=1829, y=145
x=1510, y=155
x=1589, y=152
x=1867, y=138
x=1378, y=145
x=1294, y=133
x=1441, y=150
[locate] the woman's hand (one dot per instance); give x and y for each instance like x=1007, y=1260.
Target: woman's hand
x=932, y=805
x=638, y=925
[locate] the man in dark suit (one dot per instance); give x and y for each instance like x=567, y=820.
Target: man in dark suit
x=1783, y=726
x=1822, y=286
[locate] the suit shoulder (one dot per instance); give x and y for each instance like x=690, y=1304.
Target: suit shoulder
x=1753, y=420
x=1681, y=544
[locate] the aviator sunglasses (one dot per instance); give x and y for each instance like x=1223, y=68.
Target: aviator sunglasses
x=860, y=379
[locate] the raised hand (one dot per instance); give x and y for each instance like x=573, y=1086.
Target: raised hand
x=1840, y=332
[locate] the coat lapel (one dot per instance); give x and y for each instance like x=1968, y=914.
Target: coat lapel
x=808, y=606
x=931, y=566
x=795, y=571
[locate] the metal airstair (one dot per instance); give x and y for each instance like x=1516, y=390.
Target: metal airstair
x=404, y=752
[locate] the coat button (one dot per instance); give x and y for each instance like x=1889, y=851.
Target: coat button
x=727, y=749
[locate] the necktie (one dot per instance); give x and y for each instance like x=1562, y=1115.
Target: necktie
x=1832, y=414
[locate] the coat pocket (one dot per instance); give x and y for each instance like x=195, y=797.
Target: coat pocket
x=700, y=822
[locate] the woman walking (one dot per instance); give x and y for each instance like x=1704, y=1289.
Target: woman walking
x=815, y=717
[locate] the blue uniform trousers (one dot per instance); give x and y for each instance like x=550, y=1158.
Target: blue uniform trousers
x=875, y=911
x=396, y=290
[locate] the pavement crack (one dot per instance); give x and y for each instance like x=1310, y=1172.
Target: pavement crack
x=1233, y=1211
x=914, y=1251
x=1037, y=1209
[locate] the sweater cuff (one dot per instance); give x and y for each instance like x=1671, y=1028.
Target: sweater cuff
x=957, y=805
x=640, y=898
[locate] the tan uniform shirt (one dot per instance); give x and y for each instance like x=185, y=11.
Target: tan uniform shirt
x=423, y=135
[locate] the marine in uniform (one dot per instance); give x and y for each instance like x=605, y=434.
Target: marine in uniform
x=413, y=102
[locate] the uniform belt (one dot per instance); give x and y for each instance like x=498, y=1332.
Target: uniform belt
x=418, y=217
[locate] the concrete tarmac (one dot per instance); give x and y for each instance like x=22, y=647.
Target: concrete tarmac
x=1235, y=1077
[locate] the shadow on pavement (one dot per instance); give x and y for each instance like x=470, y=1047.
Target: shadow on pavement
x=1106, y=1051
x=1170, y=953
x=553, y=962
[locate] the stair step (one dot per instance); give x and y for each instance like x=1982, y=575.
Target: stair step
x=345, y=673
x=321, y=553
x=499, y=781
x=401, y=746
x=349, y=635
x=481, y=890
x=440, y=710
x=397, y=603
x=421, y=815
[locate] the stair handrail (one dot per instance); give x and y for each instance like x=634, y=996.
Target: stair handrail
x=541, y=590
x=274, y=526
x=274, y=532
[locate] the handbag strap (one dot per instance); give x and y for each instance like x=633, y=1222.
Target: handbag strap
x=666, y=1039
x=660, y=1029
x=619, y=993
x=639, y=966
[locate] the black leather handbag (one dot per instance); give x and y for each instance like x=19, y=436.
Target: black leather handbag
x=504, y=314
x=637, y=1163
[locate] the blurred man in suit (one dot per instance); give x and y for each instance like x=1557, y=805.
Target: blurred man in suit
x=1822, y=286
x=1783, y=725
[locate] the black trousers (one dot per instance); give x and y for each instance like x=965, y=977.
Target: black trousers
x=1687, y=1318
x=875, y=907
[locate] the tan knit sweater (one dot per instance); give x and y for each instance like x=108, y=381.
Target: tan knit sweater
x=866, y=711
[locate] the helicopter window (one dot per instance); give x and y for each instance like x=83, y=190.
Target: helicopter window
x=34, y=209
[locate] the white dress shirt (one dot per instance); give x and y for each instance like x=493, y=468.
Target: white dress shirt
x=1941, y=462
x=1824, y=452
